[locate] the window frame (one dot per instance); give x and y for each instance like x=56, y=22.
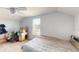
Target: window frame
x=35, y=34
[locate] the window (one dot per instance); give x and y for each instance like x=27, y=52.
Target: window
x=36, y=26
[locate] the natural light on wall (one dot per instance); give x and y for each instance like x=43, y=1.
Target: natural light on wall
x=36, y=26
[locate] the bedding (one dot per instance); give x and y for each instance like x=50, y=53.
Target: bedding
x=40, y=44
x=46, y=44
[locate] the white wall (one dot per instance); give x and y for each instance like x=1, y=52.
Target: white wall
x=11, y=22
x=57, y=25
x=11, y=25
x=27, y=22
x=76, y=22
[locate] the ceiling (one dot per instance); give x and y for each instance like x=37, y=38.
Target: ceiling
x=34, y=11
x=69, y=10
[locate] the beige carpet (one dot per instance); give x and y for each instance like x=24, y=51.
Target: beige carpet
x=57, y=45
x=50, y=44
x=11, y=47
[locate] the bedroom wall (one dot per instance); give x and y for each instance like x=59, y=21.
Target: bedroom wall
x=27, y=22
x=57, y=25
x=11, y=22
x=76, y=22
x=11, y=25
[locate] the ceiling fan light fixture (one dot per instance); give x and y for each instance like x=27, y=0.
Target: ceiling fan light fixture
x=12, y=10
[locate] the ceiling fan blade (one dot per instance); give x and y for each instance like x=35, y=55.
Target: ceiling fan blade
x=15, y=9
x=20, y=13
x=20, y=8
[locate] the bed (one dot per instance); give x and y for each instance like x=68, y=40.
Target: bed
x=47, y=44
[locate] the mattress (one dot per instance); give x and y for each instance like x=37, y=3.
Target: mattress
x=37, y=45
x=44, y=44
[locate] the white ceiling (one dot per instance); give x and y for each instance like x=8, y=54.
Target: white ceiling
x=69, y=10
x=34, y=11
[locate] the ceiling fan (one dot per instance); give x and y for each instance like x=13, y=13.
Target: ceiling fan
x=13, y=10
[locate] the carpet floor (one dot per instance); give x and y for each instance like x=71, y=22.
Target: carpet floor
x=11, y=47
x=57, y=44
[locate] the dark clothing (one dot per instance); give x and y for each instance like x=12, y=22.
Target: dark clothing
x=2, y=31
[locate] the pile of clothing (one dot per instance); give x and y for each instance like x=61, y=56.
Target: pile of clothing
x=2, y=29
x=13, y=36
